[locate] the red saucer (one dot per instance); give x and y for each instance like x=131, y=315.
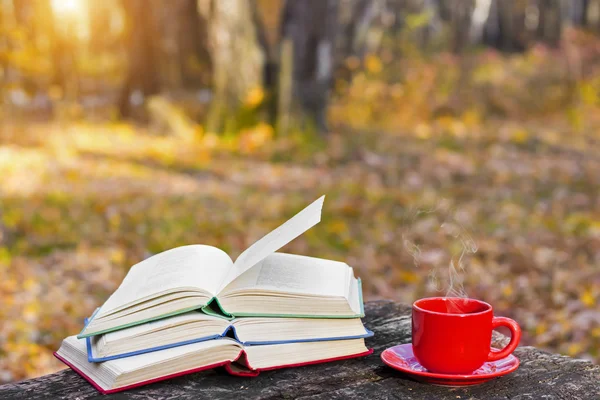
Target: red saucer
x=401, y=357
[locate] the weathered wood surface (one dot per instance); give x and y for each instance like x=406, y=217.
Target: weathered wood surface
x=541, y=376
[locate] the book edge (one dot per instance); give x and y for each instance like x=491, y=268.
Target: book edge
x=93, y=359
x=138, y=384
x=360, y=315
x=255, y=372
x=266, y=343
x=226, y=364
x=81, y=335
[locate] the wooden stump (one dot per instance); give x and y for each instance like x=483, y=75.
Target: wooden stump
x=541, y=375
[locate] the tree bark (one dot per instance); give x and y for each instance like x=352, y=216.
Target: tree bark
x=311, y=26
x=540, y=375
x=99, y=16
x=193, y=41
x=550, y=21
x=3, y=232
x=238, y=59
x=460, y=12
x=141, y=71
x=592, y=15
x=505, y=28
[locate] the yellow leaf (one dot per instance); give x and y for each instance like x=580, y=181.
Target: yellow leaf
x=423, y=131
x=541, y=328
x=373, y=64
x=254, y=97
x=520, y=136
x=55, y=92
x=574, y=349
x=588, y=93
x=31, y=311
x=471, y=118
x=29, y=284
x=587, y=298
x=337, y=227
x=4, y=255
x=117, y=256
x=409, y=277
x=507, y=291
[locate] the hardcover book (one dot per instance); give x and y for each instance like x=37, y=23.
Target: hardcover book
x=260, y=282
x=196, y=326
x=126, y=373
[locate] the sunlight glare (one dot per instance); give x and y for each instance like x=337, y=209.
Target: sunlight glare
x=67, y=7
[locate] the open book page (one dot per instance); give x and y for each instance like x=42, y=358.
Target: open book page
x=295, y=274
x=196, y=266
x=276, y=239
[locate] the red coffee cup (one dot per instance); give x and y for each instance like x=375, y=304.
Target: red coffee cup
x=453, y=335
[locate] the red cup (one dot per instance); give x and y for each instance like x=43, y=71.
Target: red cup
x=453, y=335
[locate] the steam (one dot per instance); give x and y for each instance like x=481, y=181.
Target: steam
x=447, y=262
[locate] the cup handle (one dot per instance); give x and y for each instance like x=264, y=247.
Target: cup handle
x=515, y=337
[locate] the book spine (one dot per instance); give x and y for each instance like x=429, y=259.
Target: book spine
x=215, y=309
x=143, y=383
x=236, y=368
x=83, y=335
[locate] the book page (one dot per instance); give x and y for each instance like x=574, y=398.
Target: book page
x=296, y=274
x=161, y=324
x=75, y=350
x=276, y=239
x=197, y=266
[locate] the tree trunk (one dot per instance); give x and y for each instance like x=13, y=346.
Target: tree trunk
x=574, y=11
x=491, y=29
x=310, y=26
x=99, y=16
x=506, y=28
x=592, y=15
x=481, y=14
x=141, y=70
x=550, y=21
x=194, y=59
x=238, y=59
x=3, y=232
x=355, y=23
x=460, y=12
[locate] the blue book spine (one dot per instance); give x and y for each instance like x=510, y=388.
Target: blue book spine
x=93, y=358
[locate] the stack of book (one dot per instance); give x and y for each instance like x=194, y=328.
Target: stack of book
x=192, y=308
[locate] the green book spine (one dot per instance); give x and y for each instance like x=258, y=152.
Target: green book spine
x=82, y=335
x=214, y=308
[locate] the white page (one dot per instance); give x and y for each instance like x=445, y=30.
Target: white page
x=158, y=324
x=276, y=239
x=145, y=360
x=296, y=274
x=197, y=266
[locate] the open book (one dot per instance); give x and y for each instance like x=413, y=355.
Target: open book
x=259, y=283
x=125, y=373
x=196, y=326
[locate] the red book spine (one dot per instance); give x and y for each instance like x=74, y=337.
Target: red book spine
x=254, y=372
x=227, y=364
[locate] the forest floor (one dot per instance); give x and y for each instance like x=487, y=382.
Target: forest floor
x=83, y=202
x=475, y=175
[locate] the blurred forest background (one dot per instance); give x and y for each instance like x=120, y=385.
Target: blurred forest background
x=133, y=126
